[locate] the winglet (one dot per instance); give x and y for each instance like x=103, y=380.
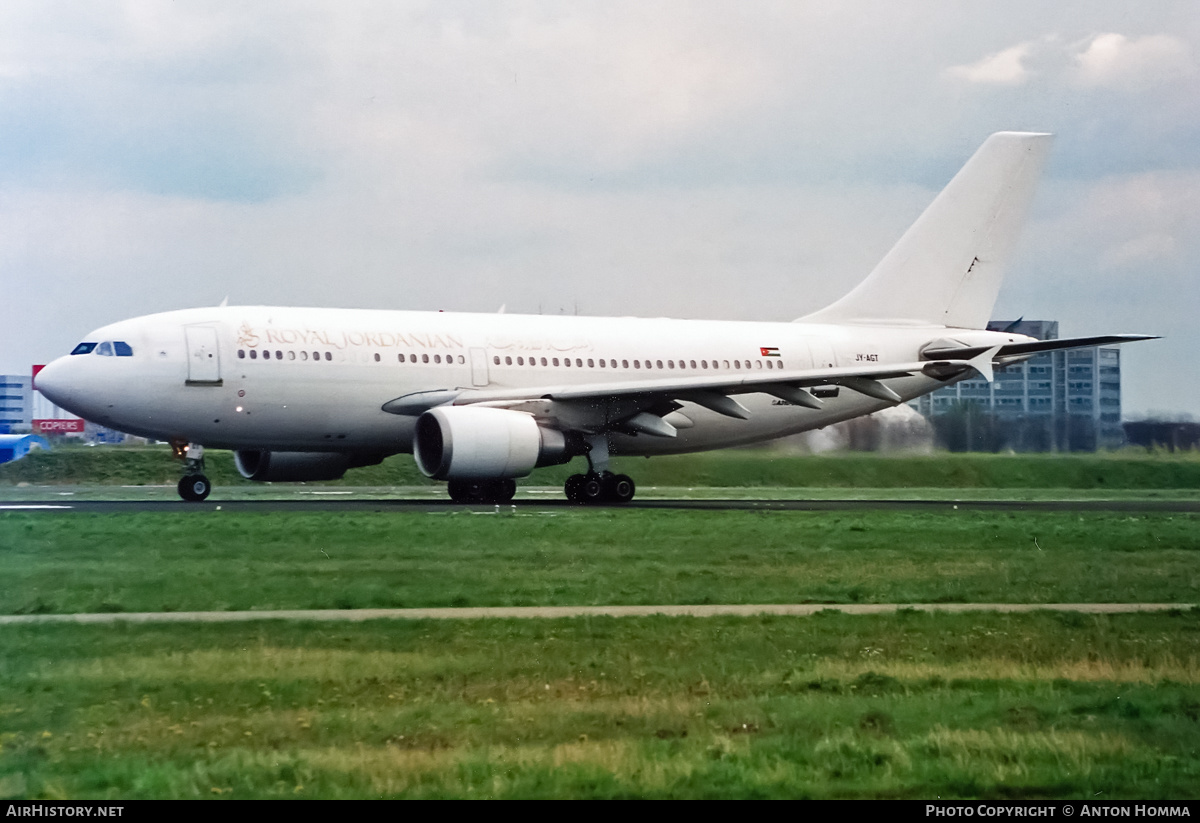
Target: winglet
x=982, y=363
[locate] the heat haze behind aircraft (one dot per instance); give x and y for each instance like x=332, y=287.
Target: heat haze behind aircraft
x=308, y=393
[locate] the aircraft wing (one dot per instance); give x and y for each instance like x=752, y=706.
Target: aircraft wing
x=640, y=405
x=1037, y=346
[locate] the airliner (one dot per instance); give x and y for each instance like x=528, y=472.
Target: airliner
x=479, y=400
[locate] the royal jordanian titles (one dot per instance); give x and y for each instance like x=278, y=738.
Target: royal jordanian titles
x=305, y=394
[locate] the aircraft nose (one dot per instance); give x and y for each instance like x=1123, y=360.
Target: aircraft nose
x=53, y=382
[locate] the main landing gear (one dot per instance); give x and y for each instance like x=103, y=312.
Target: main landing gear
x=605, y=487
x=194, y=486
x=599, y=485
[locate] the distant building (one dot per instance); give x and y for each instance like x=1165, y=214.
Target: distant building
x=1055, y=401
x=16, y=405
x=16, y=446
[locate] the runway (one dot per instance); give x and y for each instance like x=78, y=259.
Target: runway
x=343, y=504
x=561, y=612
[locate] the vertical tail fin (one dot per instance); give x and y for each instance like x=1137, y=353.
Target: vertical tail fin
x=947, y=268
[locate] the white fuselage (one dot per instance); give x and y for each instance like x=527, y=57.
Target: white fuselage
x=309, y=379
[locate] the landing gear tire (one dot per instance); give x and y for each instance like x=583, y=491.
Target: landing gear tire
x=482, y=491
x=592, y=489
x=619, y=488
x=571, y=488
x=194, y=488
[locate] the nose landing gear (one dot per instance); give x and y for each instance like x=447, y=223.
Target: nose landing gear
x=194, y=486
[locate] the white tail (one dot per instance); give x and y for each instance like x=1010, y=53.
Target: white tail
x=947, y=268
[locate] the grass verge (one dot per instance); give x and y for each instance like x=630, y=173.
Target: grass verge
x=62, y=563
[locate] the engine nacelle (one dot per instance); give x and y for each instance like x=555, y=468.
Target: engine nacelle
x=291, y=466
x=478, y=442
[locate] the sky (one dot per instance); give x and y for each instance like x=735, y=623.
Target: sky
x=748, y=160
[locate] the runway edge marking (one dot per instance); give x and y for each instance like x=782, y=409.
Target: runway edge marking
x=560, y=612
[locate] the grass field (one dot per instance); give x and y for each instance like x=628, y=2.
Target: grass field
x=908, y=705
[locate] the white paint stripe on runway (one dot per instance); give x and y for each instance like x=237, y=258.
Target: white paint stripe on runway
x=559, y=612
x=32, y=506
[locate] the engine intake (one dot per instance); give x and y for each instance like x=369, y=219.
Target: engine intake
x=477, y=442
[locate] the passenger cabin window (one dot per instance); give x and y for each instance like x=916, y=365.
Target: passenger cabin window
x=83, y=348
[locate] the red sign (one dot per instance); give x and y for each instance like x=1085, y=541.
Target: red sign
x=72, y=424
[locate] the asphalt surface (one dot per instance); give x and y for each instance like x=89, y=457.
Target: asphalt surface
x=558, y=612
x=341, y=504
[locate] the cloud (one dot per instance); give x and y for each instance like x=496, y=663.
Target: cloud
x=1114, y=61
x=1004, y=68
x=1109, y=60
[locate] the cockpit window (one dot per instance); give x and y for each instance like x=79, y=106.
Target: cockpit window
x=123, y=349
x=83, y=348
x=105, y=349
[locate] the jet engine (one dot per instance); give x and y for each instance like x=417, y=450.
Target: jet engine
x=478, y=442
x=292, y=466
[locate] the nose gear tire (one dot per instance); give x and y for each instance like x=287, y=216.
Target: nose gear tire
x=194, y=488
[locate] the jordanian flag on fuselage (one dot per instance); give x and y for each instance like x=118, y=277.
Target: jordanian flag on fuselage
x=769, y=351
